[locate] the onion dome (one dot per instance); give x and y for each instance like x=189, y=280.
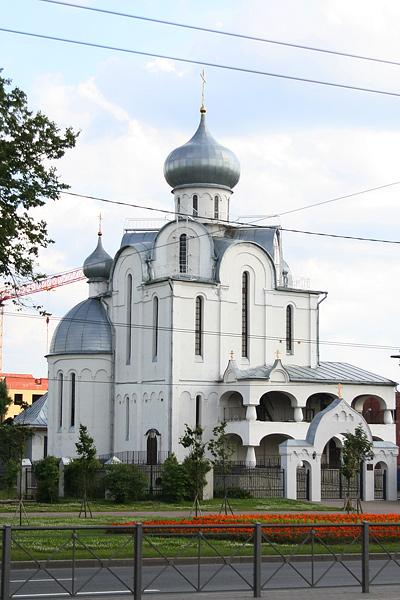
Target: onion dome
x=85, y=329
x=97, y=266
x=202, y=161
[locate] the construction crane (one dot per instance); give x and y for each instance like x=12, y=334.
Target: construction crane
x=33, y=287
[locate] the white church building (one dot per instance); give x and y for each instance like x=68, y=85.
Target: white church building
x=199, y=322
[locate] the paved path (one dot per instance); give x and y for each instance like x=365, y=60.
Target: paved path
x=368, y=507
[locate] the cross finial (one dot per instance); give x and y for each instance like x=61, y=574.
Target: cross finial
x=203, y=91
x=100, y=220
x=232, y=355
x=339, y=390
x=278, y=354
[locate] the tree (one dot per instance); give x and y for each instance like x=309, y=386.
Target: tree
x=356, y=450
x=87, y=465
x=28, y=143
x=221, y=452
x=196, y=464
x=5, y=400
x=47, y=476
x=13, y=440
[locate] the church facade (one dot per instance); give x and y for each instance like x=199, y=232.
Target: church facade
x=199, y=322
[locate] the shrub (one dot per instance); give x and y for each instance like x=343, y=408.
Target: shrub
x=173, y=480
x=233, y=492
x=73, y=482
x=47, y=474
x=125, y=482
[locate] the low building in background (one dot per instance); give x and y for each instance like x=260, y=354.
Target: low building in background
x=24, y=389
x=35, y=417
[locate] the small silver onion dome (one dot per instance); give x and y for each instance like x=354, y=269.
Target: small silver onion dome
x=97, y=266
x=202, y=161
x=85, y=329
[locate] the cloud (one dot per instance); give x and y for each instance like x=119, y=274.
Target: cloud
x=163, y=65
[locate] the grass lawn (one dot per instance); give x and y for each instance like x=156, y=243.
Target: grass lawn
x=248, y=504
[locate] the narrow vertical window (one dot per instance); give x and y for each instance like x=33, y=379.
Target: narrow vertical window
x=178, y=205
x=127, y=418
x=198, y=327
x=216, y=207
x=60, y=399
x=245, y=314
x=195, y=205
x=155, y=327
x=129, y=287
x=183, y=254
x=198, y=411
x=73, y=392
x=289, y=329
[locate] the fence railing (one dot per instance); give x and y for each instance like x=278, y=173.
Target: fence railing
x=138, y=559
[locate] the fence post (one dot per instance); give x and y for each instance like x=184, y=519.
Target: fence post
x=257, y=561
x=365, y=557
x=6, y=563
x=137, y=576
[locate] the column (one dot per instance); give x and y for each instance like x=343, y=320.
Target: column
x=387, y=417
x=251, y=457
x=251, y=413
x=298, y=414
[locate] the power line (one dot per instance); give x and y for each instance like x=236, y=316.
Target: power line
x=253, y=224
x=202, y=63
x=226, y=33
x=210, y=333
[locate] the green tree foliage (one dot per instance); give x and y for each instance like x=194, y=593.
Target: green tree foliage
x=5, y=399
x=173, y=480
x=125, y=482
x=29, y=143
x=196, y=464
x=221, y=452
x=356, y=449
x=13, y=439
x=87, y=464
x=47, y=475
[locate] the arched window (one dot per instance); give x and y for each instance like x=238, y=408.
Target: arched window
x=129, y=289
x=289, y=329
x=183, y=254
x=216, y=207
x=198, y=411
x=245, y=314
x=155, y=327
x=198, y=327
x=127, y=418
x=60, y=399
x=178, y=205
x=73, y=393
x=195, y=205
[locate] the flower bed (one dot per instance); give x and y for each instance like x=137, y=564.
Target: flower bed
x=281, y=528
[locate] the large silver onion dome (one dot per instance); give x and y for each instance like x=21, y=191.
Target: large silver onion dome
x=85, y=329
x=97, y=266
x=202, y=161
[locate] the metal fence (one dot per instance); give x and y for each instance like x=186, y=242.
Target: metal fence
x=64, y=561
x=258, y=483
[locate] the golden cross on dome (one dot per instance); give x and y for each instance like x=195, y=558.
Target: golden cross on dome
x=203, y=91
x=339, y=390
x=100, y=220
x=232, y=355
x=278, y=354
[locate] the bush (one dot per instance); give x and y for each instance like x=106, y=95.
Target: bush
x=73, y=482
x=125, y=482
x=47, y=474
x=173, y=480
x=233, y=492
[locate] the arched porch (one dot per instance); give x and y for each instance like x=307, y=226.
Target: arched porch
x=315, y=404
x=267, y=453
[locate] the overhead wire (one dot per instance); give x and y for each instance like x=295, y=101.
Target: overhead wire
x=226, y=33
x=203, y=63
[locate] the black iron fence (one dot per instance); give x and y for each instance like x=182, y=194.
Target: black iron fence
x=138, y=559
x=135, y=457
x=261, y=482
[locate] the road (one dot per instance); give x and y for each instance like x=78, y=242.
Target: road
x=186, y=578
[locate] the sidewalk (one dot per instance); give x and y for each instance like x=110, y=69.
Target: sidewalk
x=376, y=593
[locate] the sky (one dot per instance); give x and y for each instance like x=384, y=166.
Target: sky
x=298, y=143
